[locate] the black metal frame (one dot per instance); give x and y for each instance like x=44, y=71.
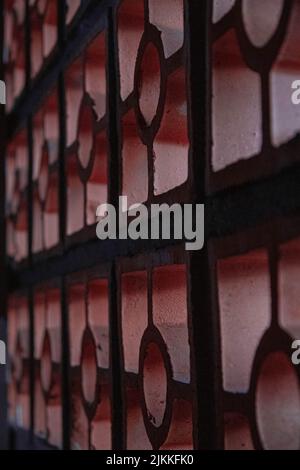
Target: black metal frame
x=271, y=197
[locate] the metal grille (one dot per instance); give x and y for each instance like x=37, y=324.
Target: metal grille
x=134, y=344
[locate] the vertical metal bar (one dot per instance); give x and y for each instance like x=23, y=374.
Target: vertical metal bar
x=113, y=187
x=65, y=364
x=3, y=277
x=32, y=370
x=65, y=367
x=113, y=173
x=29, y=192
x=62, y=127
x=115, y=361
x=27, y=46
x=204, y=322
x=3, y=385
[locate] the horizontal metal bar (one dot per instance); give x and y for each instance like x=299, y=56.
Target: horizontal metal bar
x=227, y=213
